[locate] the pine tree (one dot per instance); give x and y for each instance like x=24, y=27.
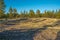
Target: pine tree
x=2, y=8
x=58, y=14
x=45, y=14
x=15, y=14
x=38, y=13
x=31, y=13
x=22, y=14
x=49, y=14
x=10, y=12
x=26, y=14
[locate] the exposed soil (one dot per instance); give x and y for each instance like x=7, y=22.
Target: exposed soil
x=30, y=29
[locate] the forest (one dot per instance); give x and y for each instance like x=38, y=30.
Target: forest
x=12, y=13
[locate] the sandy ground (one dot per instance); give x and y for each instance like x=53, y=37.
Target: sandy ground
x=33, y=23
x=31, y=29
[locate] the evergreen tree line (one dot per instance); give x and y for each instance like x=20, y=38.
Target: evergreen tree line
x=31, y=14
x=12, y=13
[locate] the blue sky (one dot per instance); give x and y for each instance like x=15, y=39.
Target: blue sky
x=42, y=5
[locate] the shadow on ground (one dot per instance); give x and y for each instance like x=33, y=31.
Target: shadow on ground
x=57, y=23
x=20, y=34
x=9, y=23
x=58, y=36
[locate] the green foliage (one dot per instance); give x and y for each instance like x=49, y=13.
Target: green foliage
x=2, y=9
x=10, y=13
x=31, y=13
x=58, y=14
x=38, y=14
x=22, y=15
x=47, y=14
x=26, y=15
x=15, y=14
